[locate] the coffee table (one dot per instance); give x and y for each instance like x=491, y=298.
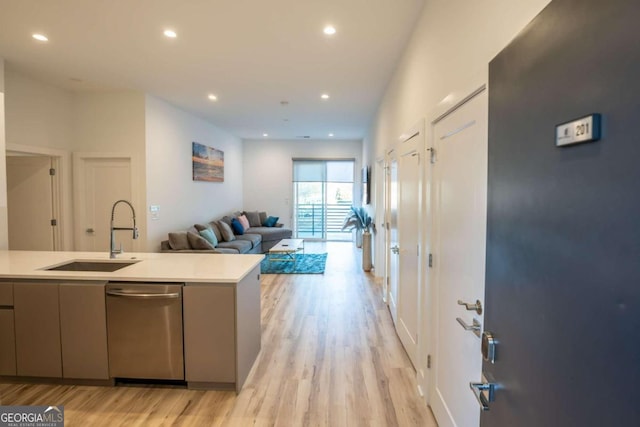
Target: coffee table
x=286, y=250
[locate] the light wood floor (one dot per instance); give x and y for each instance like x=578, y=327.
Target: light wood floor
x=330, y=357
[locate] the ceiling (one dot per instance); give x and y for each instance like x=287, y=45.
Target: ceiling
x=252, y=54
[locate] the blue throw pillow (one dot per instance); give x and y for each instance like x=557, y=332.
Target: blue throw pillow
x=209, y=236
x=271, y=221
x=237, y=227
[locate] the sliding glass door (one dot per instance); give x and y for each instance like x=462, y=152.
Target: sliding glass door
x=322, y=194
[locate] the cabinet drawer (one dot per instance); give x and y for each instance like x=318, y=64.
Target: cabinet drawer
x=6, y=294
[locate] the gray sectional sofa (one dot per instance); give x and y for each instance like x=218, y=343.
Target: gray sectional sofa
x=256, y=239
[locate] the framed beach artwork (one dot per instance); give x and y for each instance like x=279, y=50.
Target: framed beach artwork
x=208, y=163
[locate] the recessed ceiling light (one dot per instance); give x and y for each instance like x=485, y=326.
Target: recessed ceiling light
x=330, y=135
x=170, y=33
x=265, y=135
x=212, y=97
x=329, y=30
x=40, y=37
x=324, y=96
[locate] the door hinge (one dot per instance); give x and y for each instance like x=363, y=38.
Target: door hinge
x=54, y=222
x=428, y=361
x=418, y=250
x=52, y=172
x=433, y=154
x=431, y=260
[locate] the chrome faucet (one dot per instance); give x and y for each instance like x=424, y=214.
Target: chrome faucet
x=112, y=244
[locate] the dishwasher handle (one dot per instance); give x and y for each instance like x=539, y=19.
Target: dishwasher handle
x=121, y=293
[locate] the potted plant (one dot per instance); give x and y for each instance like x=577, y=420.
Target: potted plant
x=358, y=219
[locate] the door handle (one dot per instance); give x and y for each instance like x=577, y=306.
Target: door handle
x=471, y=307
x=484, y=392
x=395, y=249
x=475, y=327
x=119, y=293
x=90, y=230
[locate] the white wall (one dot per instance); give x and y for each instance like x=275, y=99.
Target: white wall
x=38, y=114
x=113, y=123
x=268, y=170
x=39, y=120
x=184, y=202
x=4, y=230
x=447, y=55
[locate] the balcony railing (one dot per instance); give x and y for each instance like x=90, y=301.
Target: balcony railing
x=314, y=220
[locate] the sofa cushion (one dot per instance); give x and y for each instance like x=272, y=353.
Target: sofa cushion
x=237, y=227
x=179, y=241
x=198, y=242
x=254, y=219
x=226, y=219
x=216, y=230
x=226, y=232
x=255, y=239
x=271, y=233
x=208, y=235
x=242, y=246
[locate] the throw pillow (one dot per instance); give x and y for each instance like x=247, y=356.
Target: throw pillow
x=237, y=227
x=216, y=230
x=254, y=219
x=226, y=232
x=209, y=236
x=179, y=241
x=271, y=221
x=244, y=221
x=198, y=242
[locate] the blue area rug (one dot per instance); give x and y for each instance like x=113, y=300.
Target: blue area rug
x=305, y=264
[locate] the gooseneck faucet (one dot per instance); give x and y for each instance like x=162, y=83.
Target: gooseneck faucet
x=112, y=244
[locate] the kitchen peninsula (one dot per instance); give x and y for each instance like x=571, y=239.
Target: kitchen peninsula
x=57, y=324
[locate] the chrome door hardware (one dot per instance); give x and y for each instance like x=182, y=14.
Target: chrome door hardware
x=475, y=327
x=395, y=249
x=484, y=392
x=489, y=347
x=471, y=307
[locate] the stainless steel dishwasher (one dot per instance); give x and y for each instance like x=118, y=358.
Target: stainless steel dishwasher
x=144, y=327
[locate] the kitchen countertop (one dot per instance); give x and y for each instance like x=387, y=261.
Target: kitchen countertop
x=153, y=267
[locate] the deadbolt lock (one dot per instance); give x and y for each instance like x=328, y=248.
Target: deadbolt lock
x=488, y=347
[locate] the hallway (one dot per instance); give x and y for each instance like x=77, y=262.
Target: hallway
x=330, y=356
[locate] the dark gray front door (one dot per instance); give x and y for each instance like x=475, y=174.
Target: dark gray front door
x=563, y=244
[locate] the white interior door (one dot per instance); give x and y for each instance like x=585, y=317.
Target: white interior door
x=99, y=183
x=30, y=203
x=393, y=240
x=460, y=199
x=409, y=217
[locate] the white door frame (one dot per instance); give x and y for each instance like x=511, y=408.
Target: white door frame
x=61, y=191
x=78, y=194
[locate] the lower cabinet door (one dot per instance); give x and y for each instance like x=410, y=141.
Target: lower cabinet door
x=209, y=333
x=37, y=326
x=7, y=342
x=83, y=330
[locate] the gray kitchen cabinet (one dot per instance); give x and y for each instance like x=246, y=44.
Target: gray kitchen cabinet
x=37, y=329
x=7, y=331
x=209, y=333
x=83, y=330
x=221, y=331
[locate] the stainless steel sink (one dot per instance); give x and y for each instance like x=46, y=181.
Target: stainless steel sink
x=106, y=266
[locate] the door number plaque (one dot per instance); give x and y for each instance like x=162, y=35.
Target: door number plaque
x=585, y=129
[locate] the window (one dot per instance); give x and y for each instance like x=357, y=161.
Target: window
x=322, y=194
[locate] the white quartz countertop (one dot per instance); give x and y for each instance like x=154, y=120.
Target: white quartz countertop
x=153, y=267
